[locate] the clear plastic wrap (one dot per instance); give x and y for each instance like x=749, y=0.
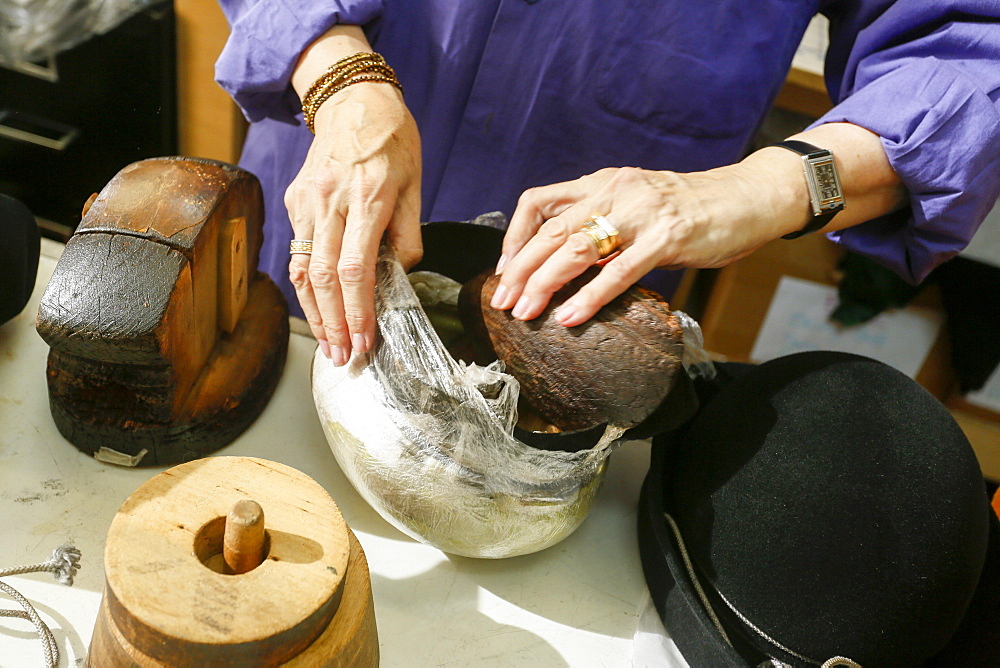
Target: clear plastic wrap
x=35, y=30
x=427, y=440
x=697, y=361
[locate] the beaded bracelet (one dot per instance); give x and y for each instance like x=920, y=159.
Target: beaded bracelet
x=357, y=68
x=317, y=93
x=342, y=69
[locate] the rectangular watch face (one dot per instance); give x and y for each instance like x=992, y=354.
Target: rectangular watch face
x=824, y=184
x=826, y=179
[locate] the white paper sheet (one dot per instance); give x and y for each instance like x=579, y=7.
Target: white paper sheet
x=812, y=50
x=798, y=320
x=989, y=395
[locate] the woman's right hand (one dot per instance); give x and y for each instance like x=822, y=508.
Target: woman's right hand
x=360, y=179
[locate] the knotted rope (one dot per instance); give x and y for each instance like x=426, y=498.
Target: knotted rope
x=63, y=564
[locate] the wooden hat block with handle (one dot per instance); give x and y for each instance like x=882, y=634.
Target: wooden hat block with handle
x=166, y=342
x=233, y=561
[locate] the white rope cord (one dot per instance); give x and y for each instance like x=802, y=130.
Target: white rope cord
x=829, y=663
x=49, y=645
x=63, y=564
x=694, y=579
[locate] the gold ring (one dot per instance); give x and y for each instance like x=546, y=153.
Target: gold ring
x=603, y=234
x=300, y=247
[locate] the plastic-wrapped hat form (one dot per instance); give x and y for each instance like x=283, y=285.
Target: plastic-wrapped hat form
x=429, y=442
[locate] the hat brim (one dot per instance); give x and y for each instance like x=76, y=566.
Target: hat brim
x=671, y=590
x=976, y=641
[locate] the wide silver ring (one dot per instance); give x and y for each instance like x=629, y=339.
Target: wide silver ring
x=300, y=247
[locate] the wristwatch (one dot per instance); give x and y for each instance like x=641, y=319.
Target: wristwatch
x=825, y=194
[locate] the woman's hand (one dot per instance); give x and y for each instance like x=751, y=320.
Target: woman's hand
x=671, y=220
x=360, y=179
x=664, y=219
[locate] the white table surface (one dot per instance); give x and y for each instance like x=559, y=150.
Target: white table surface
x=574, y=604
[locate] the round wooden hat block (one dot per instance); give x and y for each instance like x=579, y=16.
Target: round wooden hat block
x=233, y=561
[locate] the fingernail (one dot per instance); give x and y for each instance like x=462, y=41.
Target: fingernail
x=521, y=308
x=359, y=343
x=499, y=296
x=565, y=313
x=501, y=264
x=325, y=347
x=338, y=356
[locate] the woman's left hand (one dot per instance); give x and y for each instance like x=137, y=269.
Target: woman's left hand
x=664, y=219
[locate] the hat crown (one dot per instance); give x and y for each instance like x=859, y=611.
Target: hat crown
x=836, y=507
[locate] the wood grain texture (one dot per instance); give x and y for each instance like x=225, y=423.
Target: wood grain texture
x=164, y=336
x=233, y=270
x=244, y=542
x=308, y=604
x=616, y=368
x=129, y=408
x=172, y=199
x=349, y=641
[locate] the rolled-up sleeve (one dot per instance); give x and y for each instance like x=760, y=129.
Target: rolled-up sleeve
x=265, y=40
x=924, y=75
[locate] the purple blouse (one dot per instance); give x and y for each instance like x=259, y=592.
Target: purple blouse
x=510, y=94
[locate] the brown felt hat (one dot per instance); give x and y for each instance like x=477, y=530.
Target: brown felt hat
x=822, y=505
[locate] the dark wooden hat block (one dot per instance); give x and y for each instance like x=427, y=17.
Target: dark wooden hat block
x=166, y=342
x=180, y=590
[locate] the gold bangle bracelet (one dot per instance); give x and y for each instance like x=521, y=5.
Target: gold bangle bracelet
x=345, y=74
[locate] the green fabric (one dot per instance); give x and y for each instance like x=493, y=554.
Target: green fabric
x=867, y=288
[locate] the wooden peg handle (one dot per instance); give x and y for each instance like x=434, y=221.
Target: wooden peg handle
x=243, y=541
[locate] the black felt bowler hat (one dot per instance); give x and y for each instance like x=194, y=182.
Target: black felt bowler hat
x=822, y=505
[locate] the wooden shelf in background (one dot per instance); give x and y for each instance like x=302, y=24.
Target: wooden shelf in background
x=804, y=93
x=209, y=123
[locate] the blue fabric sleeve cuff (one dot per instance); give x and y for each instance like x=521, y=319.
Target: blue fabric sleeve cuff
x=941, y=133
x=264, y=44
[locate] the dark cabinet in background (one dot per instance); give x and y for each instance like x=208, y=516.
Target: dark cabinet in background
x=69, y=125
